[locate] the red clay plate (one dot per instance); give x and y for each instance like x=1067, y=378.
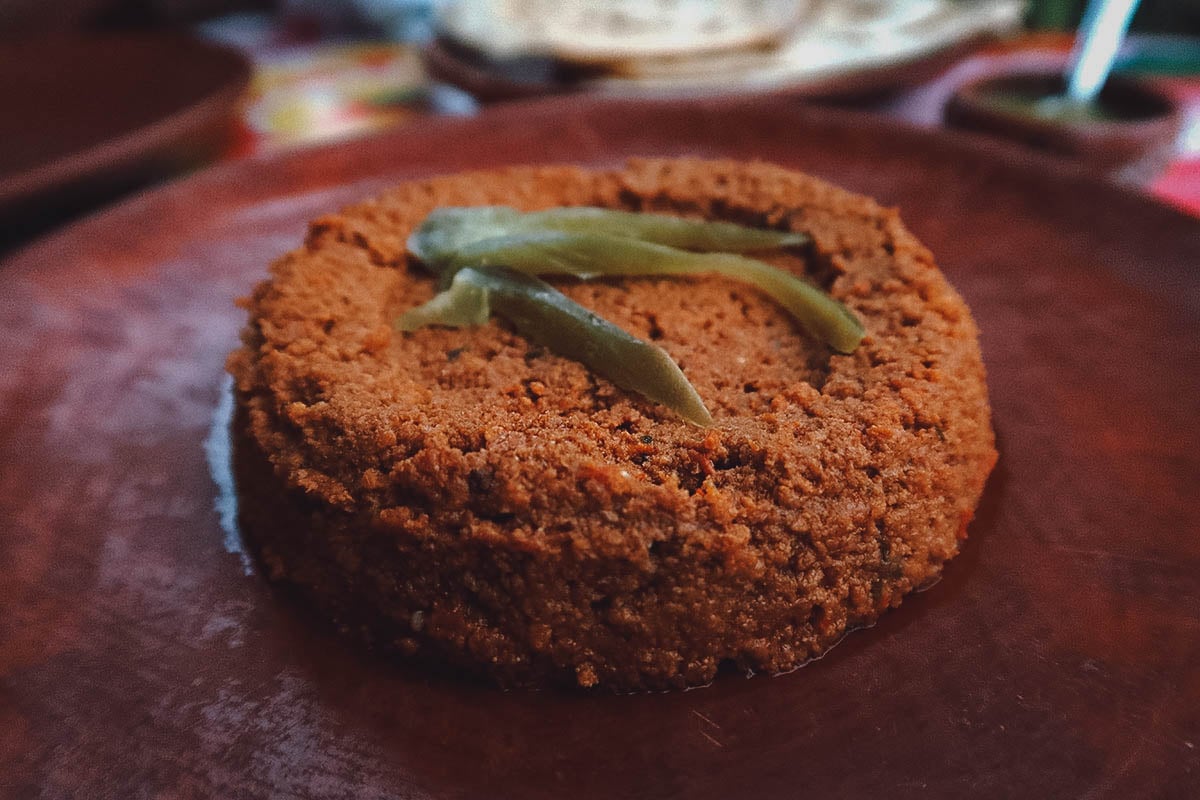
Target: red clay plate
x=1058, y=658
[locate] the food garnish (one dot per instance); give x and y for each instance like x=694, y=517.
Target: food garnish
x=488, y=258
x=447, y=229
x=594, y=255
x=548, y=317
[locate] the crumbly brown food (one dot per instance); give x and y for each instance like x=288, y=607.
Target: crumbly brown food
x=466, y=497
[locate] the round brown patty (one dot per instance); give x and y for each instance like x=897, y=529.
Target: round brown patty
x=467, y=497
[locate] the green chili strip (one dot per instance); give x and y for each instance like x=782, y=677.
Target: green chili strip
x=447, y=230
x=546, y=316
x=589, y=255
x=686, y=234
x=488, y=258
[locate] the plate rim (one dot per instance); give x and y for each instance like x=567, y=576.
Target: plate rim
x=954, y=143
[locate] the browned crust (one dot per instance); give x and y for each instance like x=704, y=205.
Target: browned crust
x=481, y=501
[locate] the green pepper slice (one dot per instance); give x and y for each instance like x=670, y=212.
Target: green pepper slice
x=446, y=230
x=546, y=316
x=589, y=255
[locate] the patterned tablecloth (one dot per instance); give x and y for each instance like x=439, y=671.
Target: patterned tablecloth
x=1180, y=184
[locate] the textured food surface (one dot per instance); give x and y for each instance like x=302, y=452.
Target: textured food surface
x=467, y=497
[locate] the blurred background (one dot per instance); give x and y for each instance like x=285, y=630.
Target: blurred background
x=105, y=97
x=388, y=17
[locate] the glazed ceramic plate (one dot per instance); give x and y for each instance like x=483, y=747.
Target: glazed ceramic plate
x=142, y=656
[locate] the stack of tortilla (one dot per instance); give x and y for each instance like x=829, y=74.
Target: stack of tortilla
x=704, y=46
